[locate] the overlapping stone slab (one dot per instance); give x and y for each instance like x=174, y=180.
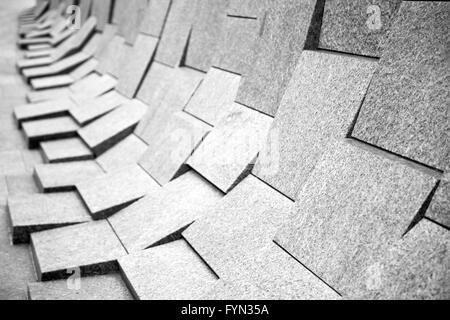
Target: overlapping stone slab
x=46, y=109
x=112, y=56
x=355, y=204
x=18, y=185
x=409, y=96
x=65, y=150
x=49, y=129
x=320, y=105
x=102, y=10
x=167, y=153
x=155, y=17
x=228, y=153
x=39, y=212
x=161, y=215
x=112, y=192
x=171, y=271
x=94, y=249
x=58, y=177
x=131, y=19
x=357, y=27
x=214, y=96
x=104, y=287
x=112, y=128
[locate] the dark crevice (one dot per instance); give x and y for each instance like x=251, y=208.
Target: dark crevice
x=201, y=258
x=313, y=36
x=438, y=223
x=241, y=17
x=272, y=187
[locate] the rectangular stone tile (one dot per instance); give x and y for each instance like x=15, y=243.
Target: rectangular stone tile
x=93, y=247
x=104, y=287
x=248, y=8
x=102, y=10
x=31, y=158
x=216, y=93
x=235, y=48
x=21, y=185
x=130, y=76
x=11, y=163
x=86, y=90
x=38, y=212
x=131, y=19
x=276, y=53
x=49, y=129
x=155, y=17
x=439, y=209
x=104, y=133
x=47, y=94
x=357, y=27
x=206, y=32
x=354, y=205
x=167, y=153
x=65, y=150
x=176, y=32
x=161, y=215
x=112, y=192
x=126, y=152
x=51, y=82
x=228, y=153
x=169, y=272
x=84, y=69
x=92, y=109
x=57, y=177
x=320, y=105
x=112, y=56
x=118, y=11
x=408, y=97
x=108, y=34
x=40, y=110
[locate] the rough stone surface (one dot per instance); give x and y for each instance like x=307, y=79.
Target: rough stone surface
x=131, y=18
x=172, y=271
x=439, y=210
x=112, y=192
x=276, y=54
x=126, y=152
x=49, y=129
x=46, y=109
x=155, y=17
x=248, y=8
x=355, y=204
x=214, y=96
x=94, y=248
x=86, y=90
x=20, y=185
x=168, y=152
x=52, y=81
x=64, y=176
x=31, y=158
x=409, y=96
x=101, y=10
x=357, y=27
x=320, y=105
x=228, y=153
x=105, y=287
x=112, y=56
x=65, y=150
x=162, y=215
x=11, y=163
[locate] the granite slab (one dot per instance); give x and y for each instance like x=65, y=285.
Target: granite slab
x=118, y=11
x=84, y=69
x=11, y=163
x=41, y=110
x=20, y=185
x=57, y=67
x=356, y=203
x=439, y=209
x=38, y=212
x=51, y=82
x=94, y=249
x=86, y=90
x=102, y=10
x=126, y=152
x=155, y=17
x=166, y=155
x=104, y=287
x=170, y=272
x=47, y=94
x=160, y=216
x=30, y=159
x=357, y=27
x=65, y=150
x=409, y=96
x=112, y=56
x=248, y=8
x=107, y=131
x=320, y=105
x=57, y=177
x=49, y=129
x=228, y=153
x=216, y=93
x=110, y=193
x=276, y=53
x=131, y=19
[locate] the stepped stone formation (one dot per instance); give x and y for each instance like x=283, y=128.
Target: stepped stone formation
x=225, y=149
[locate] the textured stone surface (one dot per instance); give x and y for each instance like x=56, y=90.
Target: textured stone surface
x=172, y=271
x=39, y=212
x=112, y=128
x=276, y=54
x=176, y=32
x=64, y=176
x=94, y=248
x=228, y=153
x=155, y=17
x=31, y=158
x=112, y=192
x=248, y=8
x=18, y=185
x=354, y=205
x=131, y=75
x=162, y=215
x=126, y=152
x=49, y=129
x=131, y=18
x=46, y=109
x=112, y=56
x=89, y=88
x=65, y=150
x=102, y=10
x=214, y=96
x=320, y=105
x=439, y=210
x=168, y=152
x=357, y=27
x=235, y=48
x=11, y=163
x=51, y=82
x=93, y=109
x=408, y=98
x=105, y=287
